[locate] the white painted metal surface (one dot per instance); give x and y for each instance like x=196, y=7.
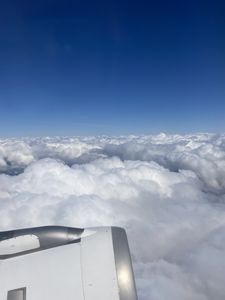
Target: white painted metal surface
x=98, y=266
x=53, y=274
x=83, y=270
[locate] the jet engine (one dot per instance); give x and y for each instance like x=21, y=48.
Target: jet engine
x=57, y=263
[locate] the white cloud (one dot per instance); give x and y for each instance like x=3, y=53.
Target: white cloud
x=168, y=191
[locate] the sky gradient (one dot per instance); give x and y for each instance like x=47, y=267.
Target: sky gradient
x=111, y=67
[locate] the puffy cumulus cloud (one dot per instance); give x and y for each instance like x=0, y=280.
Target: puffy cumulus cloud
x=14, y=155
x=204, y=154
x=166, y=190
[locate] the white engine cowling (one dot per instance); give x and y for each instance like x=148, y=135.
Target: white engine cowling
x=57, y=263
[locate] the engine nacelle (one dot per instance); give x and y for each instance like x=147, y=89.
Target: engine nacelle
x=55, y=263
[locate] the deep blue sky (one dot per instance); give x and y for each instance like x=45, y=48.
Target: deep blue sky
x=111, y=67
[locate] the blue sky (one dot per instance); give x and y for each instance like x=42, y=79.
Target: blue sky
x=111, y=67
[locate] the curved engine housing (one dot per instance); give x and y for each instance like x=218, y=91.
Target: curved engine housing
x=55, y=263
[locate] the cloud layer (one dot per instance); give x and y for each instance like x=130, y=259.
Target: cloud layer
x=168, y=191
